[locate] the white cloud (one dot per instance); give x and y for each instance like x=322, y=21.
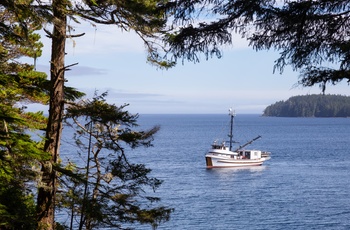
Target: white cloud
x=115, y=61
x=97, y=40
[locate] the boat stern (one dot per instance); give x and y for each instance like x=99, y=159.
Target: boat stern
x=209, y=162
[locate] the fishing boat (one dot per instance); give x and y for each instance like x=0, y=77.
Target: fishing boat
x=221, y=155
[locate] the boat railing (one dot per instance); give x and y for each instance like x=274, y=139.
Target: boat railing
x=219, y=146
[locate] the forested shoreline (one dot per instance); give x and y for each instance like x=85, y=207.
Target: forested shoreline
x=311, y=106
x=110, y=191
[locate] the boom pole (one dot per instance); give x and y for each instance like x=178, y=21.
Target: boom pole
x=248, y=143
x=232, y=114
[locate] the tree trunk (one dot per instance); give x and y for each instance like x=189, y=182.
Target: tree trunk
x=47, y=188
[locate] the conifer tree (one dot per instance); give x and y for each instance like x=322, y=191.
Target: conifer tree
x=19, y=152
x=310, y=35
x=108, y=191
x=146, y=18
x=20, y=85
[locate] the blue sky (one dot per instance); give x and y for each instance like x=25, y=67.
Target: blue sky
x=115, y=61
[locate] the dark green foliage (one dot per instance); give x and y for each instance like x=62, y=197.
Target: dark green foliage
x=110, y=191
x=311, y=106
x=147, y=18
x=20, y=84
x=19, y=157
x=17, y=209
x=310, y=35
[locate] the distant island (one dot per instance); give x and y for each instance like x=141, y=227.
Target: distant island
x=311, y=106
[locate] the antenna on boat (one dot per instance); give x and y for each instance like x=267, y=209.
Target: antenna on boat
x=232, y=114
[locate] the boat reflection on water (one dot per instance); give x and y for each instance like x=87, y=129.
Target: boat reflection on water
x=235, y=174
x=239, y=169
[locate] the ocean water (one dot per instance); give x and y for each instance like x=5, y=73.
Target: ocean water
x=305, y=185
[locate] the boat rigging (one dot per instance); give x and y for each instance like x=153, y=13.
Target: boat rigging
x=221, y=155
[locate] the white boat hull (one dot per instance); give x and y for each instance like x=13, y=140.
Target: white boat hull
x=222, y=162
x=221, y=155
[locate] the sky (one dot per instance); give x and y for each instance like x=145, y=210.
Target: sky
x=115, y=61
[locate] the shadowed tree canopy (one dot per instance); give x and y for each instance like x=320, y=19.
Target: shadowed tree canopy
x=147, y=18
x=20, y=84
x=311, y=36
x=114, y=191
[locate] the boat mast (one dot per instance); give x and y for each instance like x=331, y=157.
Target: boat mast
x=232, y=114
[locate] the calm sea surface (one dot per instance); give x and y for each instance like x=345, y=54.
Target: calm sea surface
x=305, y=185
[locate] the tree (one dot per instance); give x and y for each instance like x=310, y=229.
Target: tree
x=311, y=106
x=108, y=191
x=146, y=18
x=20, y=84
x=308, y=34
x=19, y=152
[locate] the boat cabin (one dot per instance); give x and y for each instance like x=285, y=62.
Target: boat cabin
x=218, y=146
x=249, y=154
